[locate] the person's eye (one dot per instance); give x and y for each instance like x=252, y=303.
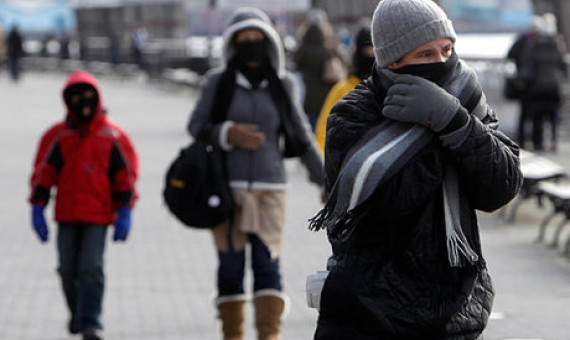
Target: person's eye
x=88, y=94
x=75, y=99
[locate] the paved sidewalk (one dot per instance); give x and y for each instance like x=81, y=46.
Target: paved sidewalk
x=160, y=284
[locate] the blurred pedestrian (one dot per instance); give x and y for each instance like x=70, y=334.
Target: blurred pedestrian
x=15, y=52
x=64, y=41
x=362, y=63
x=540, y=66
x=318, y=62
x=255, y=95
x=411, y=154
x=3, y=50
x=94, y=166
x=139, y=39
x=115, y=46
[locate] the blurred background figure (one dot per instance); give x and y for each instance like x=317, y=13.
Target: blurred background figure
x=64, y=41
x=2, y=47
x=15, y=52
x=362, y=63
x=139, y=39
x=115, y=46
x=538, y=56
x=318, y=62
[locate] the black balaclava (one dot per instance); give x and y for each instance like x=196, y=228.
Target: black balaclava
x=77, y=108
x=252, y=51
x=362, y=63
x=435, y=72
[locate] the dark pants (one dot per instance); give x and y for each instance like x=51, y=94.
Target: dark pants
x=231, y=269
x=14, y=64
x=537, y=112
x=80, y=249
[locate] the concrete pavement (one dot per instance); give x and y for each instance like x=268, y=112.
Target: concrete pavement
x=160, y=284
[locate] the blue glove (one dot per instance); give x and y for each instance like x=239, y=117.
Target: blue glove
x=39, y=222
x=122, y=224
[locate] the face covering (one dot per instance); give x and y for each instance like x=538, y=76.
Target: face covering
x=435, y=72
x=251, y=51
x=84, y=101
x=363, y=65
x=78, y=107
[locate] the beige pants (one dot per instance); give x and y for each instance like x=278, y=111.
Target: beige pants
x=257, y=212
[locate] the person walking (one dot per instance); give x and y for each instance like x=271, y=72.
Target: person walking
x=318, y=47
x=3, y=48
x=15, y=52
x=410, y=155
x=540, y=65
x=255, y=94
x=362, y=63
x=94, y=165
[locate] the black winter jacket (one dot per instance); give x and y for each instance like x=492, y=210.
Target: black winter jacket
x=393, y=280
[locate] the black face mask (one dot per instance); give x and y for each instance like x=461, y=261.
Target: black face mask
x=435, y=72
x=363, y=65
x=251, y=51
x=77, y=108
x=83, y=101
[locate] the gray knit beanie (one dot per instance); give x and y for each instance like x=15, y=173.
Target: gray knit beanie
x=400, y=26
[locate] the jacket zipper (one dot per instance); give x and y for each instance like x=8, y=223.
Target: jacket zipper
x=252, y=152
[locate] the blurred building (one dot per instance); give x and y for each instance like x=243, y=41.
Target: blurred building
x=180, y=33
x=107, y=29
x=342, y=12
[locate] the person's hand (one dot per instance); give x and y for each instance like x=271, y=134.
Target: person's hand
x=39, y=222
x=414, y=99
x=246, y=136
x=122, y=224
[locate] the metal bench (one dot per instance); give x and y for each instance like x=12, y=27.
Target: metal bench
x=535, y=169
x=559, y=195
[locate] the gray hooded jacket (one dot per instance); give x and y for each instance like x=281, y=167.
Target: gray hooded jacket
x=263, y=168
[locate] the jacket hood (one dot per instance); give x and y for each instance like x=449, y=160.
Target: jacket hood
x=254, y=18
x=82, y=77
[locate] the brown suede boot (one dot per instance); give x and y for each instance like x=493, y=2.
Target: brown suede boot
x=268, y=312
x=232, y=314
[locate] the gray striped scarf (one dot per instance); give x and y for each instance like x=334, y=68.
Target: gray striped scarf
x=386, y=149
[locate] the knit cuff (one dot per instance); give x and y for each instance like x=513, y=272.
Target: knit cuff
x=459, y=119
x=455, y=138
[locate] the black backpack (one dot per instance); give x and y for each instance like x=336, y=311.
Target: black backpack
x=196, y=188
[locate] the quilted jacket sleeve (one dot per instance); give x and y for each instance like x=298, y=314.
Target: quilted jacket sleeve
x=486, y=160
x=488, y=166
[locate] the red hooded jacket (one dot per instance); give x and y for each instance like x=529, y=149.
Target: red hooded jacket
x=93, y=164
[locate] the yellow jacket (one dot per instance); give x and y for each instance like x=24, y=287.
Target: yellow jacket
x=335, y=94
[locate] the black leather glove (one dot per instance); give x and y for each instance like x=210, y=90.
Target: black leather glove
x=414, y=99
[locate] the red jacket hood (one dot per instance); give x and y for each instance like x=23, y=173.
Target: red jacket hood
x=82, y=77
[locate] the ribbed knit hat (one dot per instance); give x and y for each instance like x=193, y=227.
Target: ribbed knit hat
x=400, y=26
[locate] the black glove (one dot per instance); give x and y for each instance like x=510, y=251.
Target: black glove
x=414, y=99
